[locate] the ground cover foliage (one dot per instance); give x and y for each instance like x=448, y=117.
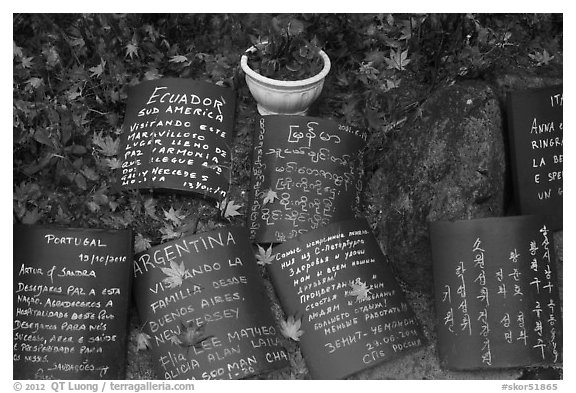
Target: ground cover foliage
x=71, y=73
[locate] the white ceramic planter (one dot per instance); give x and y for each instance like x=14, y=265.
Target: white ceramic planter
x=284, y=97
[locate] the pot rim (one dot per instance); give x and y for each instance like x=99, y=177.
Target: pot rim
x=302, y=82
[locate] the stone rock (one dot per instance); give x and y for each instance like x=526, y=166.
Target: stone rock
x=504, y=83
x=446, y=164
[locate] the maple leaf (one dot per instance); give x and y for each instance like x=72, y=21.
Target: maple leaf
x=131, y=50
x=376, y=57
x=35, y=82
x=291, y=328
x=174, y=216
x=190, y=335
x=178, y=59
x=16, y=50
x=113, y=163
x=108, y=145
x=142, y=341
x=265, y=257
x=90, y=173
x=93, y=206
x=52, y=56
x=31, y=217
x=541, y=58
x=168, y=232
x=175, y=340
x=176, y=273
x=99, y=69
x=270, y=197
x=228, y=209
x=359, y=289
x=141, y=243
x=152, y=74
x=398, y=59
x=150, y=208
x=26, y=61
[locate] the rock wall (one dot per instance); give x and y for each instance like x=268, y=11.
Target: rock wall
x=447, y=163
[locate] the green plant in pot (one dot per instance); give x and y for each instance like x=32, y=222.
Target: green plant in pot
x=285, y=71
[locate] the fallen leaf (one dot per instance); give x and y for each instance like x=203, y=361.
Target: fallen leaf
x=16, y=50
x=131, y=50
x=398, y=59
x=150, y=208
x=174, y=216
x=108, y=145
x=26, y=62
x=31, y=216
x=35, y=82
x=97, y=70
x=141, y=243
x=291, y=328
x=113, y=163
x=178, y=59
x=270, y=197
x=176, y=273
x=265, y=257
x=168, y=232
x=142, y=341
x=359, y=289
x=175, y=340
x=190, y=335
x=229, y=209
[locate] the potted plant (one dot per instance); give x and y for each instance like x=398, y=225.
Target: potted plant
x=285, y=71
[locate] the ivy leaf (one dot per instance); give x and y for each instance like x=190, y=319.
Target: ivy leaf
x=176, y=273
x=142, y=341
x=174, y=216
x=291, y=328
x=228, y=209
x=270, y=197
x=131, y=50
x=108, y=145
x=265, y=257
x=358, y=289
x=141, y=243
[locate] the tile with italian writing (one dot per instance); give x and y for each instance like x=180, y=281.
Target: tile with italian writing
x=306, y=173
x=353, y=313
x=536, y=144
x=497, y=299
x=204, y=308
x=176, y=136
x=71, y=299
